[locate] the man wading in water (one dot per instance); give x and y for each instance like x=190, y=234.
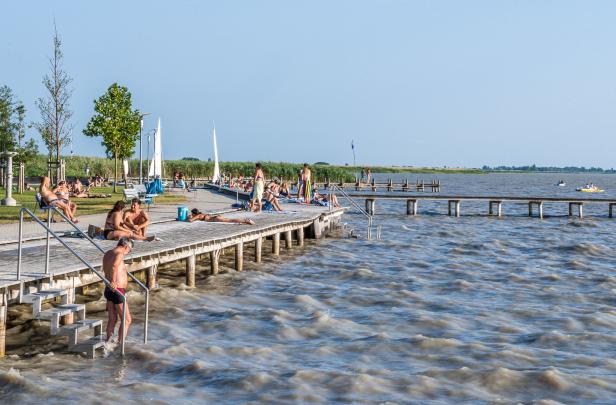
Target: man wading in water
x=115, y=272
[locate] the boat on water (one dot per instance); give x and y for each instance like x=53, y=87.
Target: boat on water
x=590, y=189
x=561, y=183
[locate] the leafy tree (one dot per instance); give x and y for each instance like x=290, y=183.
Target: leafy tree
x=117, y=123
x=54, y=127
x=12, y=127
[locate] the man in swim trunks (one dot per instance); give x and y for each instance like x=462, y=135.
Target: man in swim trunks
x=197, y=215
x=136, y=219
x=115, y=272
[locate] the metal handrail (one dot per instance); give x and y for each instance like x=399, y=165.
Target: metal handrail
x=84, y=261
x=135, y=279
x=333, y=187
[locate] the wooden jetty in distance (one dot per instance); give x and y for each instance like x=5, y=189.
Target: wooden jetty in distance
x=405, y=186
x=495, y=203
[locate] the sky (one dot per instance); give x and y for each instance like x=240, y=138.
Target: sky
x=422, y=83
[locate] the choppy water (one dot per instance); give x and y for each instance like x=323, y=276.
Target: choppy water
x=441, y=310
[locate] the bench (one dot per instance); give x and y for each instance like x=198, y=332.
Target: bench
x=139, y=191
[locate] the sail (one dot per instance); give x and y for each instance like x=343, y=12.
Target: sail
x=157, y=159
x=125, y=167
x=216, y=175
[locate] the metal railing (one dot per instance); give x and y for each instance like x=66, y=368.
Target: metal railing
x=332, y=190
x=50, y=233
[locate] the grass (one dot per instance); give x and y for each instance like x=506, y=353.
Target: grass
x=85, y=206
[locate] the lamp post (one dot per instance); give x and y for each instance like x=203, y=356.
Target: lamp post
x=141, y=149
x=9, y=200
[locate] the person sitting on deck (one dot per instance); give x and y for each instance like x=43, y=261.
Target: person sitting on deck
x=284, y=190
x=49, y=198
x=321, y=199
x=270, y=197
x=78, y=190
x=136, y=219
x=63, y=193
x=197, y=215
x=115, y=227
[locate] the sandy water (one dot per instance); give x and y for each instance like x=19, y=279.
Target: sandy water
x=441, y=310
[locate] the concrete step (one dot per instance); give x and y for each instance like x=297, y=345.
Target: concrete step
x=73, y=330
x=53, y=314
x=88, y=346
x=37, y=299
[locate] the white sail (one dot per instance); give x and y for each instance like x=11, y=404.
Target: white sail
x=157, y=159
x=125, y=167
x=216, y=175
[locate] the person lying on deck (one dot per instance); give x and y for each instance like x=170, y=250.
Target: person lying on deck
x=197, y=215
x=49, y=198
x=115, y=228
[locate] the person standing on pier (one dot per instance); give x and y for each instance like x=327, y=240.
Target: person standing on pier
x=115, y=293
x=258, y=188
x=306, y=175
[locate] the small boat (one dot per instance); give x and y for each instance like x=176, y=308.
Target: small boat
x=590, y=189
x=561, y=183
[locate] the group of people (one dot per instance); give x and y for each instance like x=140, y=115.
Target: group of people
x=179, y=181
x=58, y=197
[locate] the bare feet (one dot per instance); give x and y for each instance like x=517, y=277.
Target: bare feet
x=249, y=221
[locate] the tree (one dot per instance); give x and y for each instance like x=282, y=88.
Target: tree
x=54, y=127
x=13, y=129
x=117, y=123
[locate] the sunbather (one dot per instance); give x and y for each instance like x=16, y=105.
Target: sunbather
x=50, y=198
x=197, y=215
x=115, y=227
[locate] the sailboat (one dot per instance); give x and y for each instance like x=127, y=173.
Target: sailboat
x=155, y=169
x=216, y=175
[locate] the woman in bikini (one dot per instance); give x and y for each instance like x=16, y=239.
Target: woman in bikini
x=115, y=227
x=197, y=215
x=50, y=198
x=63, y=193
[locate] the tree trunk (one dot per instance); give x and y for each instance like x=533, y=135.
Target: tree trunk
x=115, y=176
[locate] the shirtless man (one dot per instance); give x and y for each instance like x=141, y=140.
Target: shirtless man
x=115, y=228
x=115, y=272
x=197, y=215
x=136, y=219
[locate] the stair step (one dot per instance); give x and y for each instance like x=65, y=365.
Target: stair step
x=79, y=326
x=61, y=310
x=42, y=295
x=88, y=346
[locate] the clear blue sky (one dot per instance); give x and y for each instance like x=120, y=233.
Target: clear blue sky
x=430, y=83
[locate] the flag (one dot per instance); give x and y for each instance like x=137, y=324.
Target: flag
x=352, y=145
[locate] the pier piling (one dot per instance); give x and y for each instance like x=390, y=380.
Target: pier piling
x=276, y=244
x=258, y=249
x=411, y=207
x=3, y=316
x=288, y=240
x=239, y=256
x=300, y=237
x=191, y=264
x=214, y=258
x=151, y=281
x=370, y=206
x=456, y=205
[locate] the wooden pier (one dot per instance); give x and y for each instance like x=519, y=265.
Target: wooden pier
x=495, y=203
x=181, y=241
x=389, y=186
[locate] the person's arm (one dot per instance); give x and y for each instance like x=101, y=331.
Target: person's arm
x=118, y=224
x=128, y=221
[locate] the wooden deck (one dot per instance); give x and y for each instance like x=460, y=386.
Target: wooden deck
x=180, y=240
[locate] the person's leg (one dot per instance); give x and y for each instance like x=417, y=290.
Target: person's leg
x=116, y=235
x=111, y=320
x=119, y=309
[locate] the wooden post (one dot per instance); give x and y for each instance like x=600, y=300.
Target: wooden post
x=191, y=264
x=151, y=281
x=300, y=237
x=288, y=240
x=611, y=210
x=370, y=206
x=500, y=209
x=70, y=299
x=570, y=209
x=276, y=244
x=458, y=208
x=258, y=249
x=214, y=256
x=239, y=256
x=530, y=208
x=411, y=207
x=3, y=318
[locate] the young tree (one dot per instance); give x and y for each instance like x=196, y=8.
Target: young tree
x=13, y=129
x=54, y=126
x=117, y=123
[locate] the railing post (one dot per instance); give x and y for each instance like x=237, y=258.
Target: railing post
x=48, y=238
x=19, y=244
x=147, y=311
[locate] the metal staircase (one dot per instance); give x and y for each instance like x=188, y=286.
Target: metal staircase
x=72, y=330
x=53, y=314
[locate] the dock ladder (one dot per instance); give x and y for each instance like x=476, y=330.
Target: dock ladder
x=332, y=191
x=54, y=314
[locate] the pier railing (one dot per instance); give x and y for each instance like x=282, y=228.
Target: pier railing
x=333, y=188
x=50, y=233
